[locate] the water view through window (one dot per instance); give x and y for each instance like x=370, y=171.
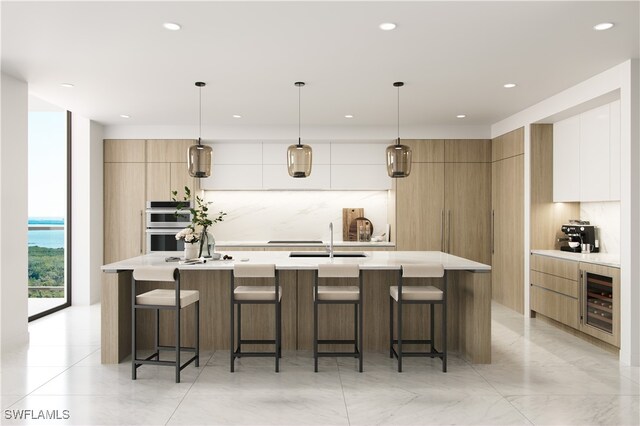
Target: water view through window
x=47, y=272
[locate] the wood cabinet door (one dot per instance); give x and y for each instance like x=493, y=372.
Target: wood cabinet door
x=420, y=208
x=468, y=210
x=124, y=203
x=179, y=178
x=158, y=182
x=507, y=259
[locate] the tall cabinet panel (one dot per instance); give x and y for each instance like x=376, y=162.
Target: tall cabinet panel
x=124, y=203
x=420, y=208
x=507, y=259
x=468, y=205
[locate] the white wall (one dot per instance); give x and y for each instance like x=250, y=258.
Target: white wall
x=606, y=216
x=86, y=208
x=13, y=213
x=624, y=77
x=210, y=133
x=292, y=215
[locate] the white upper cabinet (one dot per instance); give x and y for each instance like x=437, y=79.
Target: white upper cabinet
x=586, y=156
x=614, y=151
x=566, y=157
x=350, y=165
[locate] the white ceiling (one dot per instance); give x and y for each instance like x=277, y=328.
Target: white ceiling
x=453, y=56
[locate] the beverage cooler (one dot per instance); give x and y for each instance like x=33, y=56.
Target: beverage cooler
x=600, y=302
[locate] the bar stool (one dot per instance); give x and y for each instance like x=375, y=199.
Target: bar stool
x=331, y=295
x=419, y=295
x=161, y=299
x=261, y=294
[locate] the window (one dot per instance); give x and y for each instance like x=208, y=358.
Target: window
x=49, y=268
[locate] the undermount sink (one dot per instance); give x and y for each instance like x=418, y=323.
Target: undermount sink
x=325, y=254
x=294, y=242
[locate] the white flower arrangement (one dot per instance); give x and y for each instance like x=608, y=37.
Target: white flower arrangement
x=189, y=235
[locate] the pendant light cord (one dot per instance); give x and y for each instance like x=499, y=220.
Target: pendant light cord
x=299, y=103
x=398, y=139
x=200, y=116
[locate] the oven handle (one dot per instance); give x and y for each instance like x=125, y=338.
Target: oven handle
x=168, y=211
x=162, y=231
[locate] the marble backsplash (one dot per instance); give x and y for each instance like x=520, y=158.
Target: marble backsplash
x=292, y=215
x=606, y=216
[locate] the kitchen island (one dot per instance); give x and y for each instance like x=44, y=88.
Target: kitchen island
x=468, y=303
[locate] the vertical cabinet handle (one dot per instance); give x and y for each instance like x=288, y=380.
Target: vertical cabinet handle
x=493, y=231
x=449, y=231
x=442, y=230
x=141, y=228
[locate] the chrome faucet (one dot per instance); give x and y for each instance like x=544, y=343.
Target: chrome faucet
x=331, y=240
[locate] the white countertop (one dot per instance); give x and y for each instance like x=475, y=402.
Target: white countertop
x=605, y=259
x=374, y=260
x=265, y=244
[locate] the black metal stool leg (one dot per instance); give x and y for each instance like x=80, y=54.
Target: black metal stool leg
x=432, y=327
x=399, y=325
x=390, y=327
x=315, y=336
x=197, y=360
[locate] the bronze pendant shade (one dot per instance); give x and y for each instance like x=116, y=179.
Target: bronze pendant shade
x=299, y=157
x=398, y=155
x=200, y=157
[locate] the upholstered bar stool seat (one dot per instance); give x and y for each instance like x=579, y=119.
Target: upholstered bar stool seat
x=430, y=295
x=323, y=294
x=428, y=292
x=254, y=294
x=168, y=297
x=163, y=299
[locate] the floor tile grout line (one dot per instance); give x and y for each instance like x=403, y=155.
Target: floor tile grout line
x=189, y=390
x=504, y=397
x=344, y=398
x=66, y=368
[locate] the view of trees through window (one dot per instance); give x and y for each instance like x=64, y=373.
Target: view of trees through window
x=47, y=208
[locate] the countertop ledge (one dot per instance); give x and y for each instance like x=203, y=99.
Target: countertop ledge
x=606, y=259
x=374, y=260
x=303, y=244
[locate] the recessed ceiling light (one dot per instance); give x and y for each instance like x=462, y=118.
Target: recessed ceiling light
x=509, y=85
x=236, y=116
x=461, y=116
x=171, y=26
x=387, y=26
x=603, y=26
x=66, y=85
x=348, y=116
x=125, y=116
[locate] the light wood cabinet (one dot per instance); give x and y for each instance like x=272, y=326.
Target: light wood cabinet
x=168, y=150
x=124, y=203
x=468, y=206
x=124, y=150
x=554, y=289
x=130, y=180
x=507, y=228
x=420, y=208
x=445, y=206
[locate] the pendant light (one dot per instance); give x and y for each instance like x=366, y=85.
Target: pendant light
x=398, y=156
x=199, y=157
x=299, y=156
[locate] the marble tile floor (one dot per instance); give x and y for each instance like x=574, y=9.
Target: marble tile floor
x=539, y=375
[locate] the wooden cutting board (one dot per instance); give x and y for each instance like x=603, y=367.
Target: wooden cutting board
x=348, y=216
x=355, y=226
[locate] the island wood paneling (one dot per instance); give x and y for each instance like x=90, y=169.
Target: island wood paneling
x=469, y=314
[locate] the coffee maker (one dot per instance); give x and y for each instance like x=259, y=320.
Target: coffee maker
x=581, y=237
